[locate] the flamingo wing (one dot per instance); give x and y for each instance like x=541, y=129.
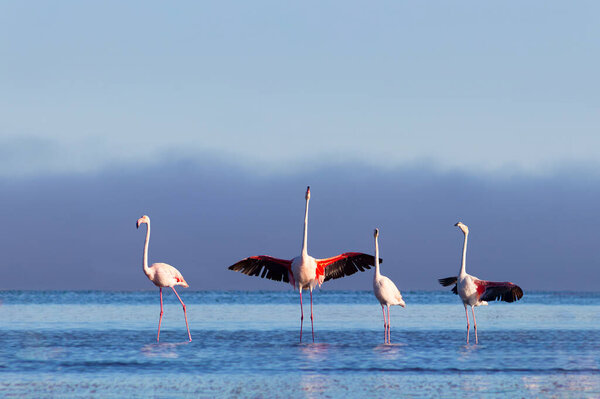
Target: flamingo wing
x=498, y=291
x=272, y=268
x=344, y=265
x=449, y=281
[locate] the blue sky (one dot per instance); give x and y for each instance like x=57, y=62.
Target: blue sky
x=482, y=87
x=496, y=96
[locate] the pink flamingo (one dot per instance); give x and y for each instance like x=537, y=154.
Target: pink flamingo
x=304, y=272
x=475, y=292
x=162, y=275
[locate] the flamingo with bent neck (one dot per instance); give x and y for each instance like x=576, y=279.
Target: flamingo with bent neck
x=162, y=275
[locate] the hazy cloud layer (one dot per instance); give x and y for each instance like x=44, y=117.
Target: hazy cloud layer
x=78, y=231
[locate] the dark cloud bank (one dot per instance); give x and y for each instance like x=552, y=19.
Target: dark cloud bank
x=78, y=231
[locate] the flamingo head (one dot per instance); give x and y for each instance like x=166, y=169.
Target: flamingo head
x=307, y=193
x=143, y=219
x=463, y=227
x=376, y=233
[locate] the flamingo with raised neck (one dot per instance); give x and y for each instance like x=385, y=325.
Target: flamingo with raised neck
x=476, y=292
x=386, y=293
x=304, y=272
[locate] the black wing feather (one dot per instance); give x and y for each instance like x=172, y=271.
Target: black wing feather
x=348, y=264
x=449, y=281
x=272, y=268
x=507, y=292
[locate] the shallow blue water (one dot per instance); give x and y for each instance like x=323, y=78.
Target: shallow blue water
x=246, y=344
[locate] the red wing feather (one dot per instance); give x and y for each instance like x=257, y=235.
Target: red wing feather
x=344, y=265
x=272, y=268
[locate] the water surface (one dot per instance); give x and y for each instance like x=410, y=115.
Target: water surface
x=246, y=344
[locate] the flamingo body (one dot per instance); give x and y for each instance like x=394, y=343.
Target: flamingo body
x=162, y=275
x=476, y=292
x=387, y=293
x=304, y=272
x=470, y=290
x=165, y=275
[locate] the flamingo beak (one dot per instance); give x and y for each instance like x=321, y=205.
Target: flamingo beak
x=137, y=224
x=457, y=223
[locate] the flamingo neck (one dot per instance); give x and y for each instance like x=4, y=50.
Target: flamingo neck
x=304, y=242
x=377, y=273
x=145, y=260
x=464, y=257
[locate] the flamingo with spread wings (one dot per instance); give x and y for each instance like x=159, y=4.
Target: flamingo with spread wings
x=475, y=292
x=305, y=272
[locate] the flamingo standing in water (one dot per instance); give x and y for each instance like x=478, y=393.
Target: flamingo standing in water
x=304, y=272
x=162, y=275
x=476, y=292
x=386, y=292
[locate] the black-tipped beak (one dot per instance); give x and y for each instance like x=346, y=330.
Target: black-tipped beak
x=137, y=225
x=456, y=223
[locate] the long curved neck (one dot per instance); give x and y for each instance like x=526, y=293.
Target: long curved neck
x=464, y=257
x=304, y=242
x=145, y=261
x=377, y=274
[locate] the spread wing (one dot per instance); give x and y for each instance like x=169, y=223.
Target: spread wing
x=449, y=281
x=344, y=265
x=498, y=291
x=264, y=267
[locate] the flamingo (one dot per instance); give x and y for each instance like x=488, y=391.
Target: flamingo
x=162, y=275
x=475, y=292
x=386, y=292
x=304, y=272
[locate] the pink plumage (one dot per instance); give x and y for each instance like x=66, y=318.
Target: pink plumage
x=162, y=275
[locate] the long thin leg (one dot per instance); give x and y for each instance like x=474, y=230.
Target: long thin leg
x=161, y=313
x=474, y=324
x=301, y=314
x=384, y=324
x=389, y=325
x=468, y=325
x=184, y=314
x=311, y=318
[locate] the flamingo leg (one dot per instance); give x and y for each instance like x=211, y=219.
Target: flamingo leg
x=311, y=318
x=384, y=324
x=161, y=313
x=301, y=314
x=184, y=314
x=468, y=325
x=474, y=323
x=389, y=328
